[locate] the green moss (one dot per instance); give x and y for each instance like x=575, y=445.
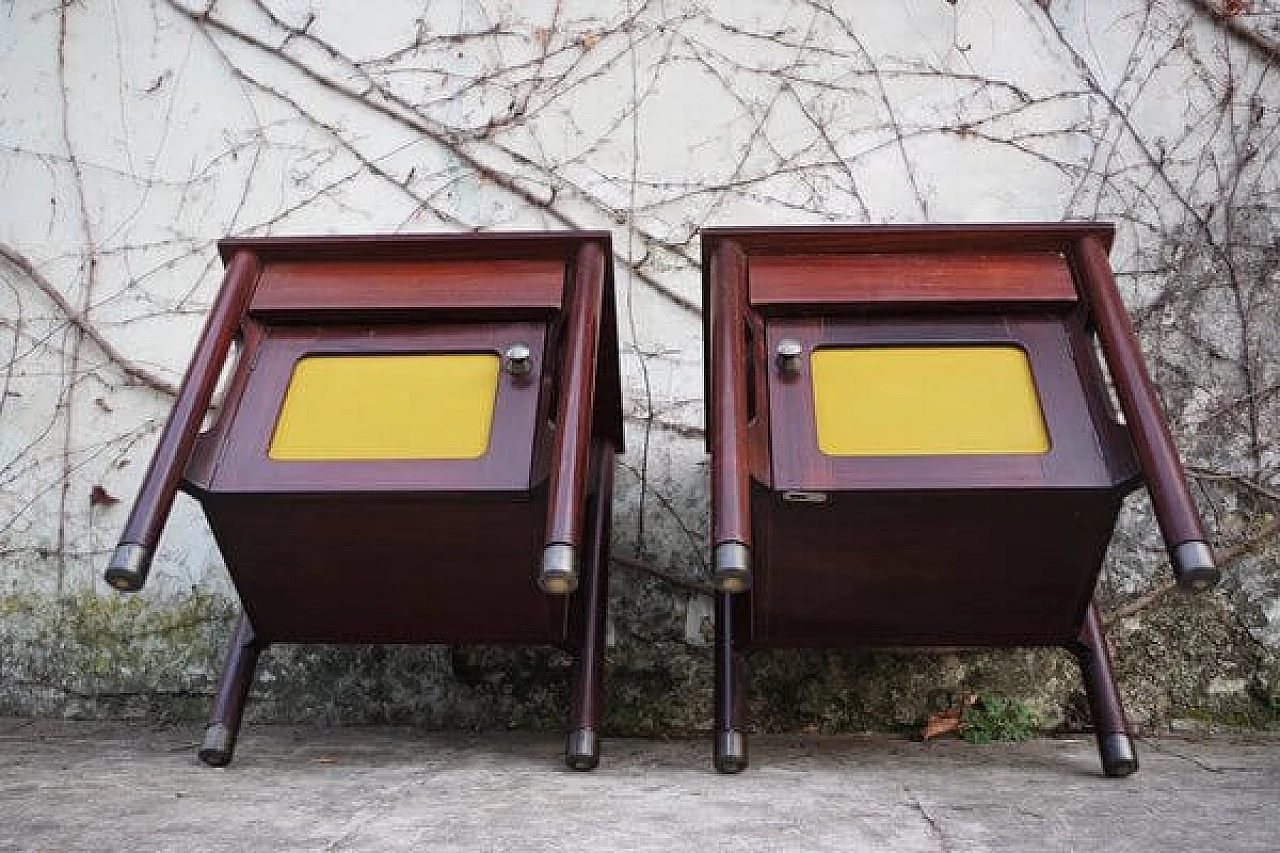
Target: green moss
x=91, y=655
x=1262, y=715
x=998, y=718
x=157, y=658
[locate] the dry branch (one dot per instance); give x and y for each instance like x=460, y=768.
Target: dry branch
x=134, y=371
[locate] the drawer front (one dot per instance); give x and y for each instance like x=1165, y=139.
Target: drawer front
x=883, y=403
x=386, y=408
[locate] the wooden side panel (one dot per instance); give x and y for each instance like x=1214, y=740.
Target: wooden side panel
x=966, y=567
x=395, y=285
x=907, y=278
x=385, y=568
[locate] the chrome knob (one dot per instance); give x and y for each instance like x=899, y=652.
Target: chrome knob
x=518, y=359
x=788, y=354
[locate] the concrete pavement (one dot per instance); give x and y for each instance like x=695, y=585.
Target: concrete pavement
x=114, y=786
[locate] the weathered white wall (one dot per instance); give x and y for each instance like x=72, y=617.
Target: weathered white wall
x=135, y=134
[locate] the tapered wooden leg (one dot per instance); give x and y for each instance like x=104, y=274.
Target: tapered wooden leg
x=582, y=750
x=233, y=688
x=730, y=751
x=1109, y=723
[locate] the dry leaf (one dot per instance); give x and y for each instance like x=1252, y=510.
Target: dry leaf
x=941, y=723
x=948, y=721
x=590, y=40
x=542, y=35
x=100, y=497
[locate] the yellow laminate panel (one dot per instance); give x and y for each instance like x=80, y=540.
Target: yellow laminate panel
x=926, y=401
x=368, y=407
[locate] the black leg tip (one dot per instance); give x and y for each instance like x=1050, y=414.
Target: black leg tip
x=582, y=750
x=731, y=752
x=1194, y=566
x=1119, y=759
x=128, y=567
x=218, y=746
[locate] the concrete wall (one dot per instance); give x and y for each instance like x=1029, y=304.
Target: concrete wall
x=135, y=134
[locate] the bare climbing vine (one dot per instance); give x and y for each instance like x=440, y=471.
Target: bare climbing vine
x=252, y=117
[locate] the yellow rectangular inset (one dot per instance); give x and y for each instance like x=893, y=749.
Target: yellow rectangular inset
x=926, y=401
x=365, y=407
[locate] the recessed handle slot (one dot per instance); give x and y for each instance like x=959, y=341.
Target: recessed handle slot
x=799, y=497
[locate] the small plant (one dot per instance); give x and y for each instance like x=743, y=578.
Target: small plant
x=997, y=718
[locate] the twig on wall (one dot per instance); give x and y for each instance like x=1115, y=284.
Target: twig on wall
x=127, y=366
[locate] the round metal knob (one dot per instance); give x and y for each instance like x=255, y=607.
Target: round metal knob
x=789, y=353
x=518, y=359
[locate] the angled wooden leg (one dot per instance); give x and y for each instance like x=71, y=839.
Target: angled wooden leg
x=1109, y=723
x=582, y=750
x=731, y=719
x=233, y=688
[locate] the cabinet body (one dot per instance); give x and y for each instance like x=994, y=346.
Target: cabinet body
x=415, y=445
x=947, y=479
x=346, y=528
x=913, y=443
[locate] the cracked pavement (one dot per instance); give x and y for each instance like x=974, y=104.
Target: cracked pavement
x=116, y=786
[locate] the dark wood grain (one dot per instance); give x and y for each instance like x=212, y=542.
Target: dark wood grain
x=208, y=444
x=1086, y=450
x=482, y=246
x=173, y=450
x=757, y=378
x=926, y=551
x=394, y=568
x=319, y=288
x=588, y=694
x=757, y=241
x=1166, y=481
x=239, y=445
x=231, y=694
x=1105, y=706
x=403, y=550
x=953, y=567
x=911, y=277
x=571, y=442
x=727, y=404
x=729, y=699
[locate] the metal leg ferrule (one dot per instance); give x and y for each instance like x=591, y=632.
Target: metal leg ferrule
x=731, y=752
x=582, y=749
x=1194, y=567
x=1119, y=758
x=559, y=573
x=732, y=562
x=128, y=567
x=218, y=745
